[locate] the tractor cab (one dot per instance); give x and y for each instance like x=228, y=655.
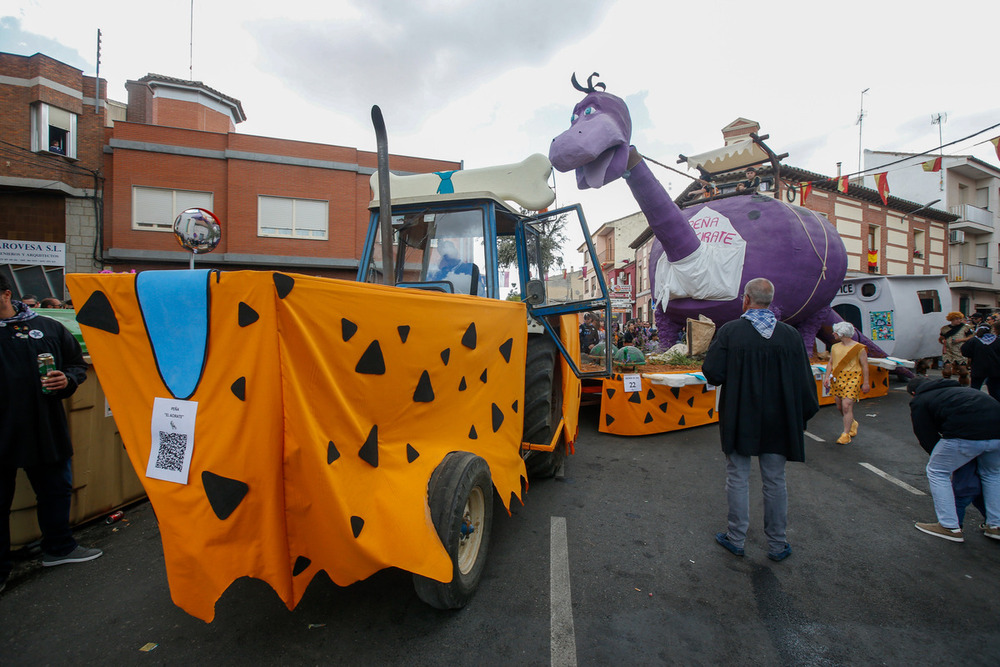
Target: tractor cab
x=474, y=243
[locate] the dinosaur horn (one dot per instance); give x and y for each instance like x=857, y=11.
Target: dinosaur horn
x=594, y=86
x=576, y=84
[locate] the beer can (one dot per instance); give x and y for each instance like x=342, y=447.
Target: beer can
x=114, y=517
x=46, y=363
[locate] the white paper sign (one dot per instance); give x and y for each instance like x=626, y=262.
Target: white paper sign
x=632, y=381
x=172, y=432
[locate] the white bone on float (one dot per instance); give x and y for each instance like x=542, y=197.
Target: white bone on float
x=526, y=183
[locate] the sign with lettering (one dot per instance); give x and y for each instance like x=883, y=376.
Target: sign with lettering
x=32, y=252
x=712, y=227
x=846, y=288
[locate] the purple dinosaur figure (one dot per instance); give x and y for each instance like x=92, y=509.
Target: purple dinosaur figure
x=704, y=256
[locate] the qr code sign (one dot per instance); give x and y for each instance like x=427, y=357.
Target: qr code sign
x=173, y=447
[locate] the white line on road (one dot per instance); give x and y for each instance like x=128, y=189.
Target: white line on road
x=814, y=437
x=890, y=478
x=563, y=651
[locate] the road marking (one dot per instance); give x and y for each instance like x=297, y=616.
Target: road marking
x=814, y=437
x=890, y=478
x=563, y=651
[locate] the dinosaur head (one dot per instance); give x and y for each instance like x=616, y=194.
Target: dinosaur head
x=597, y=141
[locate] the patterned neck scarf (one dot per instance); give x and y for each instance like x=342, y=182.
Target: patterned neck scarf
x=21, y=313
x=988, y=338
x=762, y=319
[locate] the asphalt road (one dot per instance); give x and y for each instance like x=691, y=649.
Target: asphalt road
x=612, y=563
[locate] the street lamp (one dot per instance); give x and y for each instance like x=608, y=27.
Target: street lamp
x=927, y=205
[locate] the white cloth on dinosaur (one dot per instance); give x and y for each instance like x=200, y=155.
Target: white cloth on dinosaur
x=713, y=271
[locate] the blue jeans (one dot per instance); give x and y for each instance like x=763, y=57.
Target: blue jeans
x=948, y=456
x=53, y=486
x=772, y=473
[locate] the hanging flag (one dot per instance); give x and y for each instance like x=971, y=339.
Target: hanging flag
x=933, y=165
x=506, y=278
x=806, y=187
x=584, y=276
x=882, y=185
x=841, y=183
x=873, y=259
x=996, y=144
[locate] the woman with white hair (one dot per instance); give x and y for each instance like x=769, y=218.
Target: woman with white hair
x=846, y=376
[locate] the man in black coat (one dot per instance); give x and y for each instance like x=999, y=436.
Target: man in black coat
x=34, y=434
x=768, y=393
x=956, y=425
x=983, y=353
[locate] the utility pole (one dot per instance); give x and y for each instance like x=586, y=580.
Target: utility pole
x=939, y=120
x=861, y=118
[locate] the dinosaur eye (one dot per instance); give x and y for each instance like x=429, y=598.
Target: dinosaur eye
x=589, y=110
x=572, y=119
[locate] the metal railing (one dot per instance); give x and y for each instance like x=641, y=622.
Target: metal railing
x=970, y=213
x=970, y=272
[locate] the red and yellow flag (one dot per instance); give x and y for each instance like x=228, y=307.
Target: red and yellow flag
x=882, y=185
x=873, y=258
x=806, y=187
x=935, y=164
x=841, y=183
x=996, y=144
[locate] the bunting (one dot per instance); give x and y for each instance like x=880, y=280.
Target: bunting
x=996, y=145
x=882, y=185
x=873, y=259
x=842, y=183
x=935, y=164
x=806, y=187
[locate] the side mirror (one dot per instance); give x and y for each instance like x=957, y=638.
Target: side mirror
x=535, y=293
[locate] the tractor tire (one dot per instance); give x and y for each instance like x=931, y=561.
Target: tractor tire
x=542, y=407
x=460, y=497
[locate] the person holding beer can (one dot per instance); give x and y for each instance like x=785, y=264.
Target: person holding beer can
x=40, y=365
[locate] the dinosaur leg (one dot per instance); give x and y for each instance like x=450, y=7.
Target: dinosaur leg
x=667, y=330
x=809, y=328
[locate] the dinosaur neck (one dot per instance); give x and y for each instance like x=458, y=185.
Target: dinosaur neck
x=662, y=214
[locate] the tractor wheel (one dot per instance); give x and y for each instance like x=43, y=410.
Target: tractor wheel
x=460, y=496
x=542, y=407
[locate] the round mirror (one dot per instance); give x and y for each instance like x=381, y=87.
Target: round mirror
x=197, y=230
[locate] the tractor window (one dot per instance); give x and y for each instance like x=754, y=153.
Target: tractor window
x=445, y=248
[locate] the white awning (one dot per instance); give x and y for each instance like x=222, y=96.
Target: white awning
x=729, y=158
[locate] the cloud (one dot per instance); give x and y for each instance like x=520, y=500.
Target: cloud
x=414, y=57
x=14, y=39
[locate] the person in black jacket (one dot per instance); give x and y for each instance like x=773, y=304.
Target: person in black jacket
x=768, y=393
x=983, y=352
x=956, y=425
x=34, y=434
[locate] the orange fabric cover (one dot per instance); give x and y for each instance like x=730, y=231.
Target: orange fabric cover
x=878, y=378
x=654, y=409
x=314, y=500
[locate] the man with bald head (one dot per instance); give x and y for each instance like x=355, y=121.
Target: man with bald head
x=768, y=393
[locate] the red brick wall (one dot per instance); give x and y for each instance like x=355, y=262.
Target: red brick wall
x=33, y=216
x=179, y=113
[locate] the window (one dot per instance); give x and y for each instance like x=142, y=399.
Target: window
x=982, y=254
x=930, y=301
x=918, y=244
x=53, y=130
x=155, y=209
x=292, y=218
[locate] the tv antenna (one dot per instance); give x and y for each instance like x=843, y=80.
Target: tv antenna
x=859, y=123
x=940, y=119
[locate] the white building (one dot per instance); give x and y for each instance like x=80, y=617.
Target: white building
x=969, y=188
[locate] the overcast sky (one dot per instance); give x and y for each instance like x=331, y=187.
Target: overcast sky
x=489, y=82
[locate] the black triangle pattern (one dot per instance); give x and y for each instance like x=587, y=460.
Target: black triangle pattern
x=347, y=329
x=506, y=348
x=711, y=411
x=424, y=392
x=648, y=418
x=246, y=315
x=283, y=284
x=610, y=391
x=404, y=332
x=332, y=453
x=650, y=395
x=369, y=451
x=608, y=420
x=497, y=417
x=445, y=355
x=461, y=385
x=663, y=407
x=483, y=376
x=239, y=389
x=371, y=362
x=636, y=397
x=681, y=422
x=676, y=391
x=472, y=433
x=357, y=524
x=513, y=406
x=98, y=313
x=301, y=565
x=690, y=402
x=224, y=494
x=469, y=338
x=411, y=453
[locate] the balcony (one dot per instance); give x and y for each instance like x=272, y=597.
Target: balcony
x=972, y=219
x=970, y=273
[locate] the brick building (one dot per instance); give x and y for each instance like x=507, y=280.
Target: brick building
x=125, y=172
